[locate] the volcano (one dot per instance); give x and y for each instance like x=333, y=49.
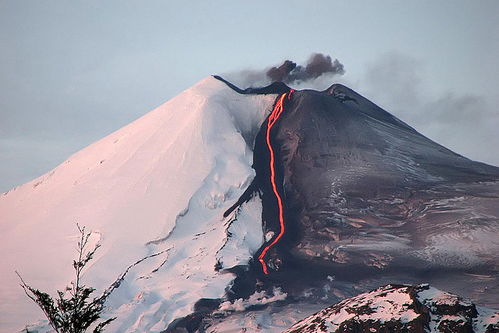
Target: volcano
x=253, y=208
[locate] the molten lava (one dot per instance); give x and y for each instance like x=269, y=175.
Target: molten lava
x=274, y=116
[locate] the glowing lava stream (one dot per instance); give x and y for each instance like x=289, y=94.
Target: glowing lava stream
x=274, y=116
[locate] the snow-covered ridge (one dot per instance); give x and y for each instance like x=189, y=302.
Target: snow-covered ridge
x=401, y=308
x=158, y=186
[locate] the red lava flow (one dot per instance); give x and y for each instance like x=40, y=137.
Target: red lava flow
x=274, y=116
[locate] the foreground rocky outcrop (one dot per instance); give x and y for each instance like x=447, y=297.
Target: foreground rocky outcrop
x=402, y=308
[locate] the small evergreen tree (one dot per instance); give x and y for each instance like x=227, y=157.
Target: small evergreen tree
x=73, y=311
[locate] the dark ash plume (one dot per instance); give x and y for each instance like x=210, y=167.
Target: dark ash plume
x=282, y=72
x=318, y=64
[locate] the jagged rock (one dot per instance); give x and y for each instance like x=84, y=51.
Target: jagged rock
x=402, y=308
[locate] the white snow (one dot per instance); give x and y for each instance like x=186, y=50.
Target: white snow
x=258, y=298
x=271, y=319
x=157, y=186
x=432, y=297
x=485, y=318
x=386, y=304
x=395, y=304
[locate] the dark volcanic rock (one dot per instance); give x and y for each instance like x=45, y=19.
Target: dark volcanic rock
x=369, y=201
x=364, y=188
x=368, y=198
x=411, y=309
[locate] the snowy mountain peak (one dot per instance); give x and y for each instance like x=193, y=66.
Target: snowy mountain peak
x=154, y=189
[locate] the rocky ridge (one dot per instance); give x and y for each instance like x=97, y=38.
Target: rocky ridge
x=402, y=308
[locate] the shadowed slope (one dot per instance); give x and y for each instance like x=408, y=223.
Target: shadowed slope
x=367, y=195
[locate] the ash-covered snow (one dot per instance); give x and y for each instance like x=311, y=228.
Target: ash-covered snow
x=155, y=189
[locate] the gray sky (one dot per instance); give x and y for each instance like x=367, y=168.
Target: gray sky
x=71, y=72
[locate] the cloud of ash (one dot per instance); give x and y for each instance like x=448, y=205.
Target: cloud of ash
x=318, y=64
x=309, y=75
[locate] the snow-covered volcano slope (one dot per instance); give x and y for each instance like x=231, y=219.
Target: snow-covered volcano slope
x=159, y=187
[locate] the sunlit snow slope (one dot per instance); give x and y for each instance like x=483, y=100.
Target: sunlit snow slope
x=157, y=187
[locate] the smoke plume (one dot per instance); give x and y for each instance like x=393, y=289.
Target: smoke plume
x=317, y=65
x=315, y=74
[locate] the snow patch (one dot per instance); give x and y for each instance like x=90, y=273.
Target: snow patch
x=258, y=298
